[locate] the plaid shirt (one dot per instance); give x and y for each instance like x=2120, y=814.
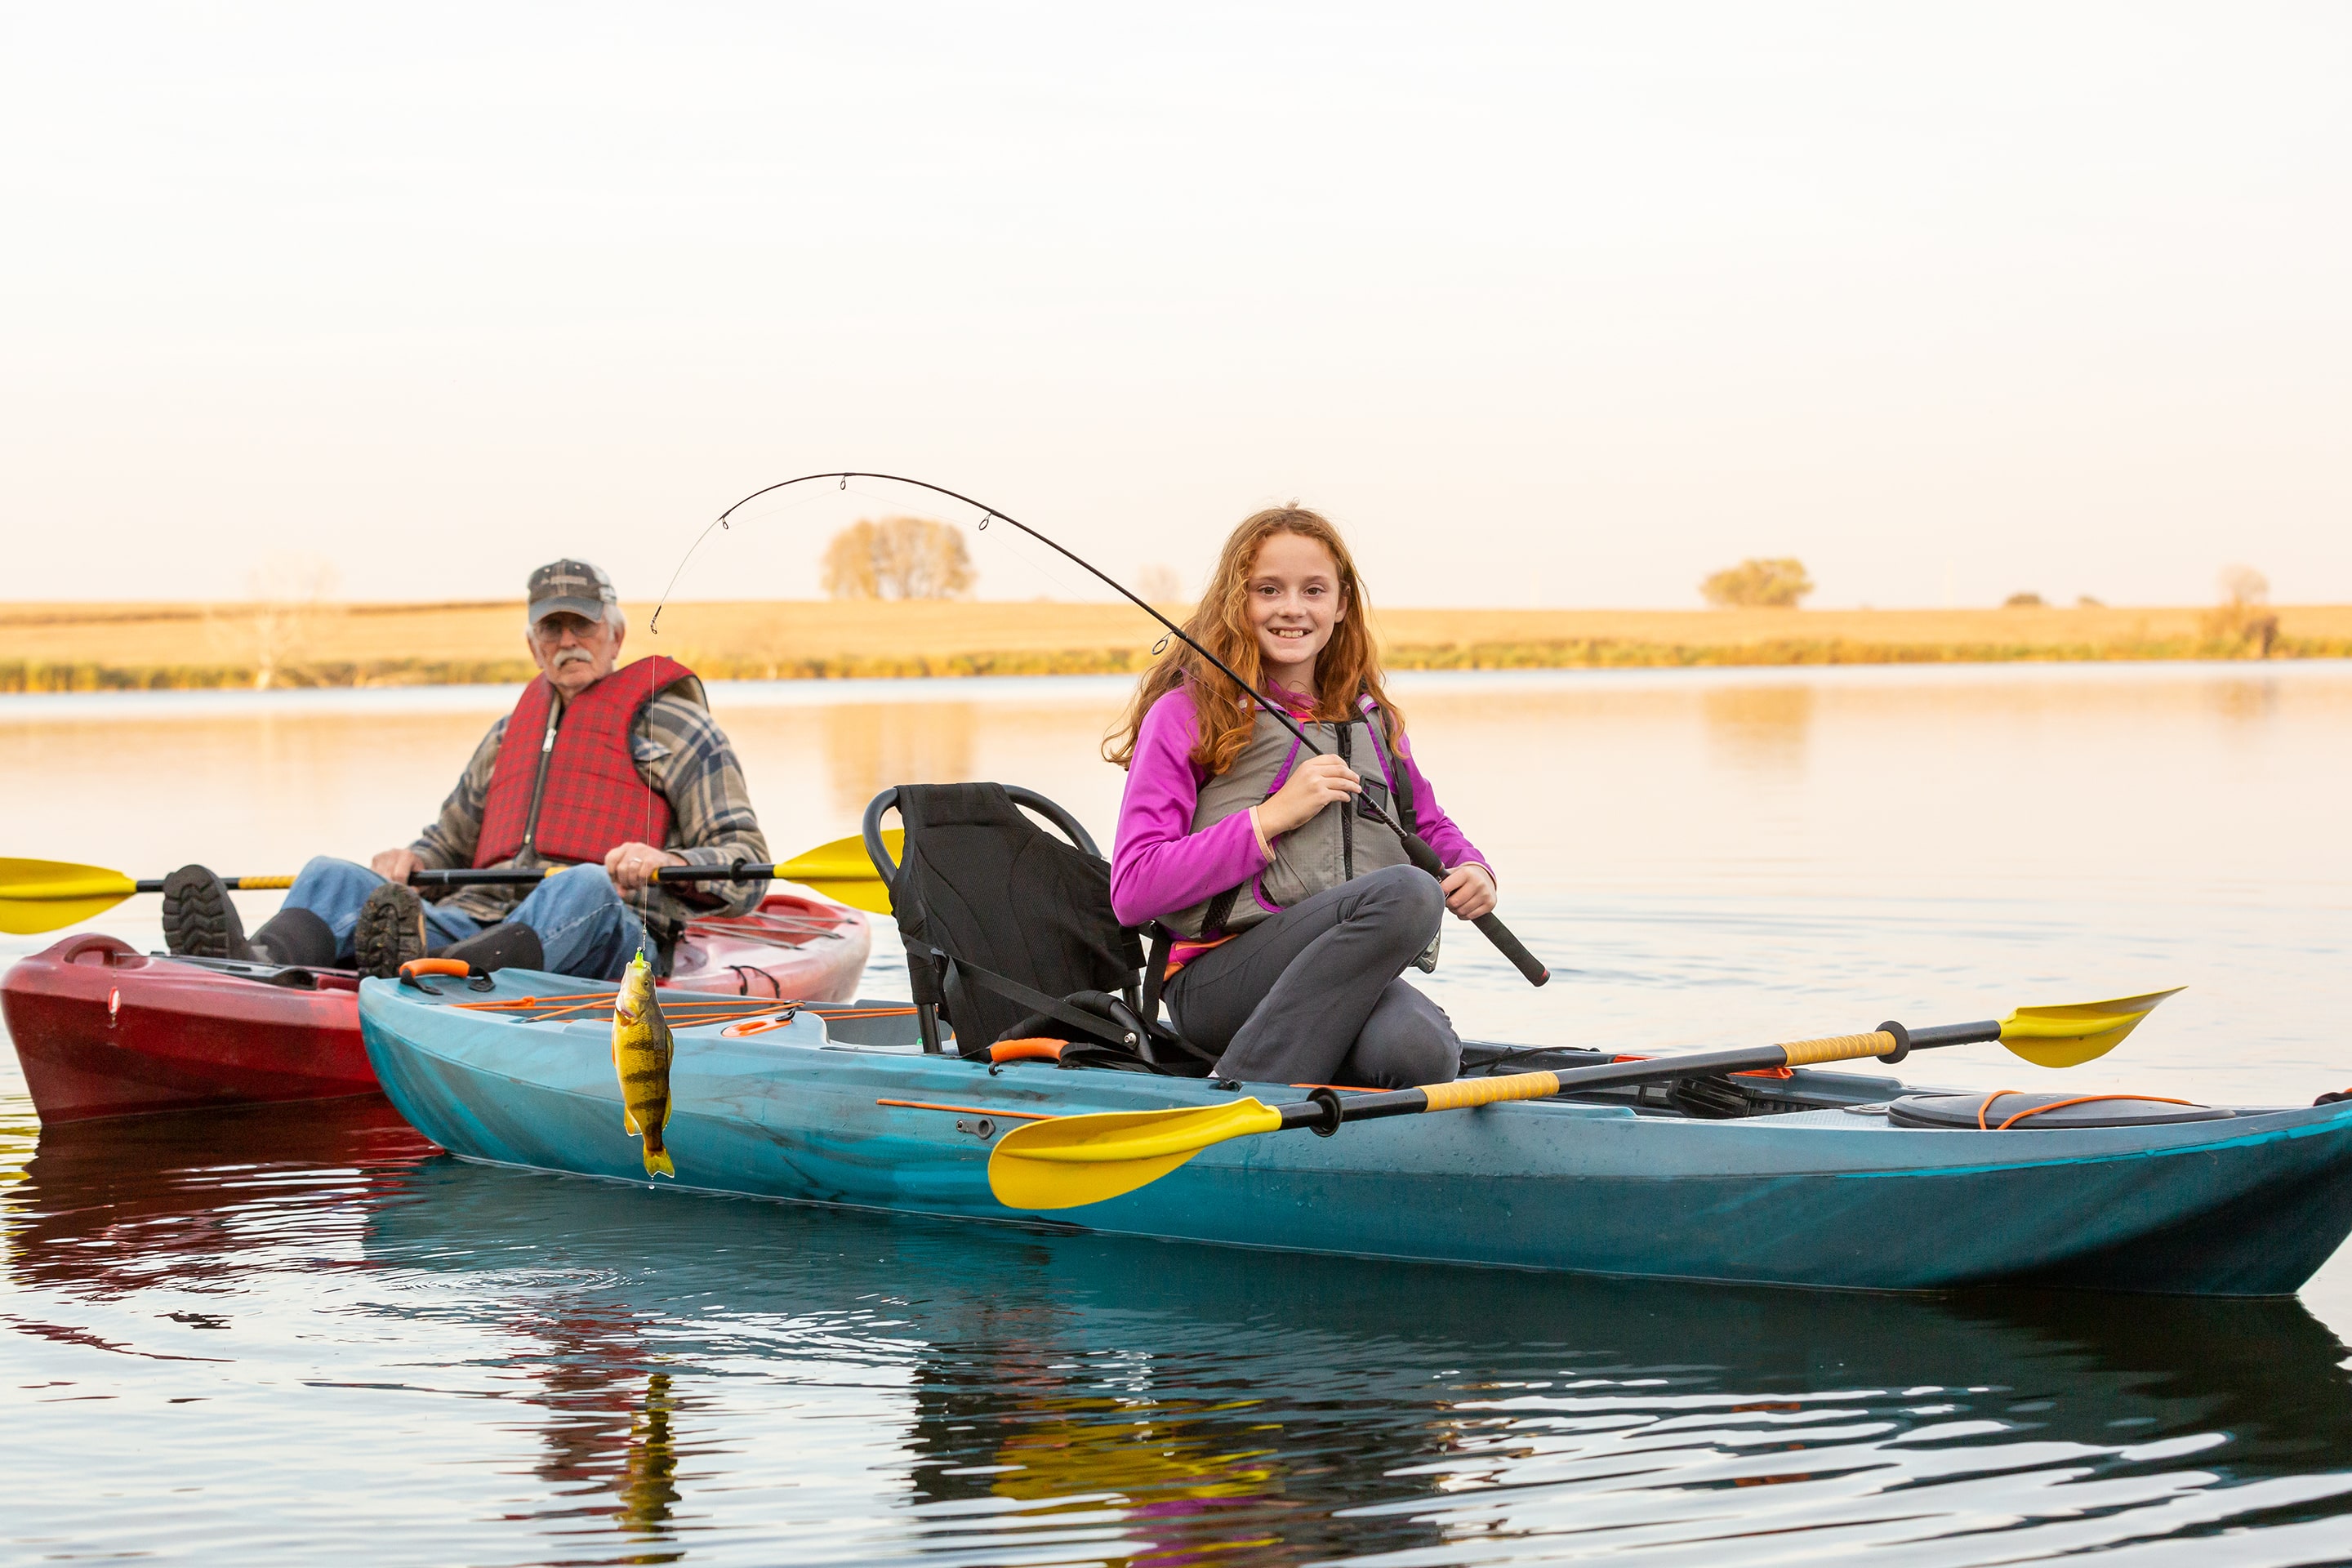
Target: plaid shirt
x=680, y=751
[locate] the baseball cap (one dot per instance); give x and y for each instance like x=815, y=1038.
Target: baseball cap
x=572, y=586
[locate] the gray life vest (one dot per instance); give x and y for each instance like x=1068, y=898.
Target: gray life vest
x=1339, y=843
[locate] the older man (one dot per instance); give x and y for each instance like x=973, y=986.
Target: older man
x=610, y=774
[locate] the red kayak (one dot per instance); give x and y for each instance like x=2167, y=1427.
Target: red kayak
x=103, y=1029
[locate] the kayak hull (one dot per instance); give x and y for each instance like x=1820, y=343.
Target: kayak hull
x=2245, y=1206
x=102, y=1029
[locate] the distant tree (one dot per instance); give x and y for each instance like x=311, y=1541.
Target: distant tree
x=2243, y=625
x=849, y=567
x=2026, y=601
x=898, y=557
x=1758, y=584
x=2085, y=601
x=2243, y=585
x=280, y=625
x=1159, y=584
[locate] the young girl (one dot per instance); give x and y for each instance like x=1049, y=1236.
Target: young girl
x=1294, y=909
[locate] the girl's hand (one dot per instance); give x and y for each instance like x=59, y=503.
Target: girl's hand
x=1315, y=784
x=1469, y=892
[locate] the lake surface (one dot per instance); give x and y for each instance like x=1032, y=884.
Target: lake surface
x=270, y=1336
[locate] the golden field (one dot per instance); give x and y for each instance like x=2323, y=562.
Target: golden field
x=88, y=646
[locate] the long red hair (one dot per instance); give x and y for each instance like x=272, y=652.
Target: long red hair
x=1348, y=667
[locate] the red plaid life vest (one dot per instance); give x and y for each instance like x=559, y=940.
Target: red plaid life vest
x=592, y=796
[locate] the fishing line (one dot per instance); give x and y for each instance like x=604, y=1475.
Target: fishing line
x=1416, y=850
x=645, y=716
x=790, y=511
x=1019, y=551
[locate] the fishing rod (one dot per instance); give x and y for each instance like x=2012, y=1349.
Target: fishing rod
x=1415, y=849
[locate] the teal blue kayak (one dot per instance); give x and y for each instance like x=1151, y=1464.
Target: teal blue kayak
x=1827, y=1180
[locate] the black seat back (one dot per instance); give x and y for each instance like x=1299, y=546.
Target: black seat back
x=983, y=896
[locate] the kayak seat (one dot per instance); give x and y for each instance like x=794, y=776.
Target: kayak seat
x=2011, y=1110
x=1009, y=931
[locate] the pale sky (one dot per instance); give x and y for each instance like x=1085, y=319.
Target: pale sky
x=1561, y=305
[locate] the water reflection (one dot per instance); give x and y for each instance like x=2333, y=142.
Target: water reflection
x=869, y=748
x=1170, y=1401
x=1187, y=1477
x=1760, y=729
x=1054, y=1397
x=107, y=1209
x=2243, y=704
x=650, y=1470
x=609, y=1448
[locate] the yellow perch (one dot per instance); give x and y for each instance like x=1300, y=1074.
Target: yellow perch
x=642, y=1049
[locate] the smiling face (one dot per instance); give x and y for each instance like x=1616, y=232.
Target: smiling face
x=572, y=652
x=1295, y=599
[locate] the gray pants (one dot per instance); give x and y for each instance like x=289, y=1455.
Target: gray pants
x=1311, y=995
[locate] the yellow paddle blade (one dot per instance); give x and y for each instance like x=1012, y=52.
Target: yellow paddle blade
x=2069, y=1035
x=840, y=871
x=42, y=895
x=1075, y=1160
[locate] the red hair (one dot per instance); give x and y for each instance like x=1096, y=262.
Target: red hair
x=1348, y=668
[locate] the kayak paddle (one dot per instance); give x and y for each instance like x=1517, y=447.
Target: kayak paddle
x=840, y=871
x=42, y=895
x=1072, y=1159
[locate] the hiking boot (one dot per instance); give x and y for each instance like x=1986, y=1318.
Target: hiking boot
x=391, y=931
x=199, y=918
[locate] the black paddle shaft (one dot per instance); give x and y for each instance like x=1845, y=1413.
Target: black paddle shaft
x=737, y=871
x=1319, y=1111
x=1326, y=1109
x=504, y=876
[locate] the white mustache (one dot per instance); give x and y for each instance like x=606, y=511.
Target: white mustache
x=571, y=655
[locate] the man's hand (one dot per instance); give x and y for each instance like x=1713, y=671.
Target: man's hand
x=632, y=866
x=396, y=865
x=1469, y=892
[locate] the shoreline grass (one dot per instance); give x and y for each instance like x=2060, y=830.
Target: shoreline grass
x=152, y=647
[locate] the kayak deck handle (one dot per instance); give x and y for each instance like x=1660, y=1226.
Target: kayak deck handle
x=1036, y=1049
x=415, y=969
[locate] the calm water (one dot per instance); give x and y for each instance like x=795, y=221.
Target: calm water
x=273, y=1336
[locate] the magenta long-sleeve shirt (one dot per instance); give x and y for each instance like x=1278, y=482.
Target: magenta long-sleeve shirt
x=1159, y=866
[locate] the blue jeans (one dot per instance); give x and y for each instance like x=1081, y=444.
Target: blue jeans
x=583, y=925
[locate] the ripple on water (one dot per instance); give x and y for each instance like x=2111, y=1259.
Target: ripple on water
x=275, y=1334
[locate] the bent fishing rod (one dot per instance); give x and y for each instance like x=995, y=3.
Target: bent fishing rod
x=1416, y=849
